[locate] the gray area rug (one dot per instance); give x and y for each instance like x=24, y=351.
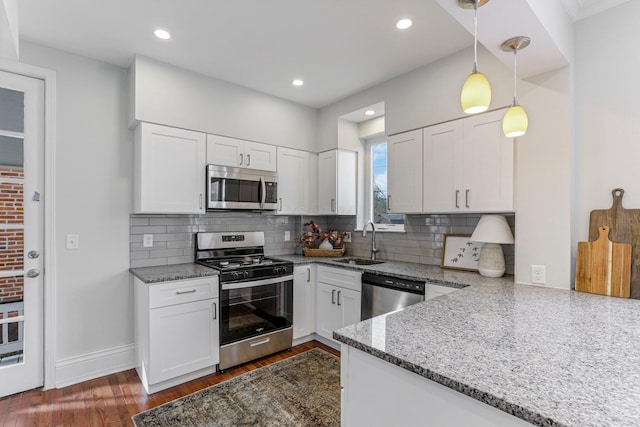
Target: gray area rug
x=303, y=390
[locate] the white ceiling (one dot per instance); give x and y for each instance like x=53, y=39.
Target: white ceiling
x=338, y=47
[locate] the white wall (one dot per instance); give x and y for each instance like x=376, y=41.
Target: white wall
x=431, y=94
x=93, y=184
x=176, y=97
x=607, y=113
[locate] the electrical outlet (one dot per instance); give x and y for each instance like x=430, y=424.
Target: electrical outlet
x=347, y=237
x=538, y=274
x=73, y=241
x=147, y=241
x=287, y=236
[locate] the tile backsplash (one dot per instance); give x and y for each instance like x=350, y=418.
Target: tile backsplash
x=174, y=235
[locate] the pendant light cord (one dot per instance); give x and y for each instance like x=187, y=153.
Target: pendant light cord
x=515, y=76
x=475, y=36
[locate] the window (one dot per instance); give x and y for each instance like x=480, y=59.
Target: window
x=377, y=188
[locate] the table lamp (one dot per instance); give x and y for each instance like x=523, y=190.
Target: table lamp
x=493, y=231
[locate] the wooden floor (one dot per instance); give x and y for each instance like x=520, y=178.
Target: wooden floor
x=112, y=400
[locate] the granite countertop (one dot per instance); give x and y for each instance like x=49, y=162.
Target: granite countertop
x=551, y=357
x=163, y=273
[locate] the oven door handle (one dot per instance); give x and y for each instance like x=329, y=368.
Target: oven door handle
x=253, y=283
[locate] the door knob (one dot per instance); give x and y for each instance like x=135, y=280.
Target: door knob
x=33, y=254
x=33, y=273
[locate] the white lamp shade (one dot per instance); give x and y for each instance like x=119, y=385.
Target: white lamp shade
x=476, y=94
x=492, y=229
x=515, y=122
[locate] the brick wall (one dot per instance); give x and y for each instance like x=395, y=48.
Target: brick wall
x=11, y=238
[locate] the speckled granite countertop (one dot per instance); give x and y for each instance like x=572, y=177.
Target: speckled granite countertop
x=551, y=357
x=163, y=273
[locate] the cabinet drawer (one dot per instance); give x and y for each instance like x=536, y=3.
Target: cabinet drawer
x=338, y=277
x=181, y=291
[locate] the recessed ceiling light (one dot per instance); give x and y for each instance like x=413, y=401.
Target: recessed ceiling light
x=403, y=24
x=297, y=82
x=369, y=113
x=162, y=34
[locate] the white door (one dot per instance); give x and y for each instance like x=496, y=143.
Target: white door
x=260, y=156
x=442, y=152
x=327, y=183
x=21, y=232
x=328, y=317
x=225, y=151
x=404, y=170
x=293, y=181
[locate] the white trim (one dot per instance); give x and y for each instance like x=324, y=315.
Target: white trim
x=49, y=78
x=93, y=365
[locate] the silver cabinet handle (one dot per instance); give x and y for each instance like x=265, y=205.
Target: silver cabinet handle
x=241, y=158
x=339, y=292
x=333, y=294
x=185, y=292
x=333, y=205
x=33, y=254
x=215, y=310
x=308, y=274
x=457, y=194
x=389, y=202
x=200, y=200
x=466, y=198
x=33, y=273
x=248, y=159
x=280, y=199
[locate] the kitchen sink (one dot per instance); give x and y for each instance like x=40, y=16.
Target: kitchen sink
x=357, y=261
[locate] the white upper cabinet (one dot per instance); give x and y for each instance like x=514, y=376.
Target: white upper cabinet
x=442, y=157
x=488, y=164
x=169, y=170
x=468, y=166
x=297, y=181
x=337, y=179
x=225, y=151
x=404, y=172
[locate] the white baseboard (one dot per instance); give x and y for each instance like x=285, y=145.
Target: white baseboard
x=77, y=369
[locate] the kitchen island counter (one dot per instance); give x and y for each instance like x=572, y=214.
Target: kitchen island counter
x=547, y=356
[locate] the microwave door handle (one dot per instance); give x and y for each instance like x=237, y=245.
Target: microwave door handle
x=263, y=192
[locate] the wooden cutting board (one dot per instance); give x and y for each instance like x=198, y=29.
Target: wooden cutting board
x=624, y=227
x=604, y=267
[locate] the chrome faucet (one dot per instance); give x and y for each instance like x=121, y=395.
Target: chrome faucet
x=374, y=250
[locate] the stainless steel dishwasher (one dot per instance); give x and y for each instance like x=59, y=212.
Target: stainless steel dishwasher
x=383, y=294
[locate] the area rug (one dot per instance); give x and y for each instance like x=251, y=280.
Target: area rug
x=303, y=390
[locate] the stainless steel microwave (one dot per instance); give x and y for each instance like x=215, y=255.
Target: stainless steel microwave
x=239, y=188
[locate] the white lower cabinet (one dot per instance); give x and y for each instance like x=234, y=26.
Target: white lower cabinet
x=176, y=331
x=303, y=301
x=338, y=297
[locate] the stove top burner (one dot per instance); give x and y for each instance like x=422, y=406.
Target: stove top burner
x=247, y=262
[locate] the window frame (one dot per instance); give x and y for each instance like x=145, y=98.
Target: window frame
x=368, y=188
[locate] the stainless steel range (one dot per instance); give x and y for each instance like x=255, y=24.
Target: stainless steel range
x=256, y=295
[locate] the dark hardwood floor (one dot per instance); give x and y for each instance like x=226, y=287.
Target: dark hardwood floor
x=113, y=399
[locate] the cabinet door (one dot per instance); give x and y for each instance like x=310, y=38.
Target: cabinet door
x=328, y=317
x=327, y=183
x=442, y=155
x=293, y=181
x=225, y=151
x=169, y=174
x=348, y=302
x=303, y=301
x=488, y=164
x=259, y=156
x=346, y=182
x=183, y=338
x=404, y=172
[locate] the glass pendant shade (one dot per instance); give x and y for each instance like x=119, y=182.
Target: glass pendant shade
x=515, y=122
x=476, y=94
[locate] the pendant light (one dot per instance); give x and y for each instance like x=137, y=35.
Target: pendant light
x=515, y=120
x=476, y=91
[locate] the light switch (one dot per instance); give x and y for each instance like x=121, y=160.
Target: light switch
x=287, y=236
x=147, y=240
x=73, y=241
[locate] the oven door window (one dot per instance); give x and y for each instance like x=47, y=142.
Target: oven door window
x=255, y=310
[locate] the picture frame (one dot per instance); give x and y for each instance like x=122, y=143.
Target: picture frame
x=460, y=253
